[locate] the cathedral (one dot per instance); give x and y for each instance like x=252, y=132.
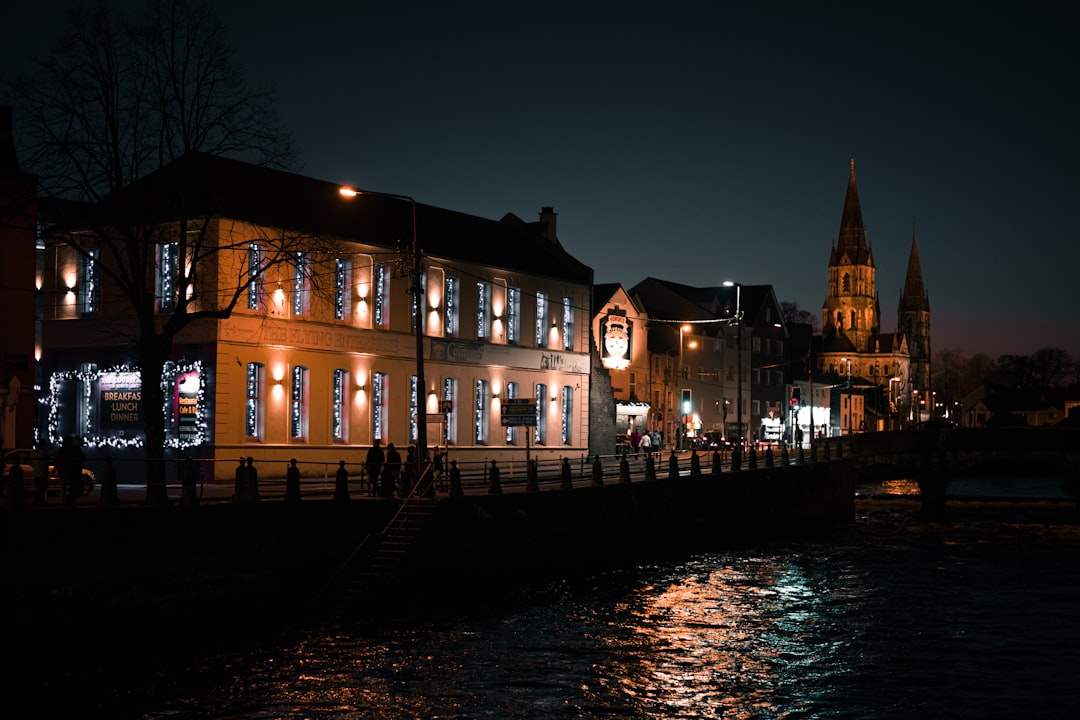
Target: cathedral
x=852, y=344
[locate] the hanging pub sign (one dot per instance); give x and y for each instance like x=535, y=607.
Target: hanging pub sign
x=119, y=400
x=616, y=332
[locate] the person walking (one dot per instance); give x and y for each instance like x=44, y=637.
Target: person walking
x=251, y=481
x=373, y=463
x=494, y=484
x=456, y=490
x=646, y=444
x=341, y=483
x=292, y=482
x=390, y=471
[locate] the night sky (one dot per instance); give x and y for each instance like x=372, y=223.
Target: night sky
x=699, y=143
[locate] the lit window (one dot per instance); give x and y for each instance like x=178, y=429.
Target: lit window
x=511, y=394
x=450, y=300
x=378, y=406
x=450, y=393
x=568, y=323
x=253, y=419
x=540, y=431
x=339, y=414
x=255, y=280
x=541, y=320
x=481, y=417
x=483, y=310
x=382, y=295
x=567, y=414
x=301, y=293
x=413, y=409
x=88, y=289
x=298, y=416
x=513, y=315
x=342, y=288
x=167, y=267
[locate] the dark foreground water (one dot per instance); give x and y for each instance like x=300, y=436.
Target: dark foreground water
x=977, y=616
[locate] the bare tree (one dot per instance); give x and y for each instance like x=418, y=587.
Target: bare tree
x=1052, y=367
x=118, y=100
x=792, y=314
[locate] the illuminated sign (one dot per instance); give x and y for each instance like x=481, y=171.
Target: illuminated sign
x=617, y=333
x=119, y=400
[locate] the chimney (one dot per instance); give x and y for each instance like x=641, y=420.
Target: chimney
x=9, y=165
x=547, y=220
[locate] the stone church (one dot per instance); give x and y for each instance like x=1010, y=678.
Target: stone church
x=852, y=344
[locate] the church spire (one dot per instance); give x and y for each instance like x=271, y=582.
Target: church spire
x=852, y=238
x=914, y=293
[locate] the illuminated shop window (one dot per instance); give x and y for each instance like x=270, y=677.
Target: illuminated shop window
x=339, y=417
x=167, y=266
x=342, y=288
x=513, y=315
x=483, y=310
x=480, y=419
x=301, y=289
x=451, y=302
x=567, y=414
x=253, y=418
x=541, y=320
x=255, y=278
x=414, y=393
x=378, y=406
x=298, y=415
x=540, y=431
x=381, y=283
x=511, y=394
x=450, y=391
x=568, y=323
x=88, y=282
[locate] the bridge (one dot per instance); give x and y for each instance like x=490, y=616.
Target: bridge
x=933, y=457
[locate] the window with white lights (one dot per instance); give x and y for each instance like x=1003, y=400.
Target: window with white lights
x=381, y=283
x=451, y=302
x=342, y=288
x=339, y=413
x=483, y=310
x=301, y=286
x=511, y=394
x=168, y=265
x=567, y=414
x=378, y=406
x=255, y=279
x=88, y=282
x=541, y=320
x=540, y=431
x=480, y=420
x=513, y=315
x=253, y=417
x=568, y=323
x=414, y=408
x=450, y=391
x=298, y=408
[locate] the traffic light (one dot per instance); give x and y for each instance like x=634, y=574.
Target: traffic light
x=685, y=402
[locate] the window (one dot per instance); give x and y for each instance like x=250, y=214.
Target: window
x=511, y=431
x=381, y=282
x=846, y=283
x=756, y=405
x=568, y=323
x=253, y=417
x=755, y=344
x=853, y=324
x=541, y=320
x=780, y=347
x=839, y=320
x=483, y=310
x=451, y=302
x=378, y=406
x=342, y=288
x=414, y=409
x=633, y=384
x=481, y=418
x=513, y=315
x=450, y=393
x=540, y=431
x=88, y=289
x=168, y=265
x=301, y=291
x=567, y=414
x=298, y=416
x=339, y=419
x=416, y=295
x=255, y=282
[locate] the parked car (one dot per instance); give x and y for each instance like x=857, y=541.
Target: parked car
x=54, y=485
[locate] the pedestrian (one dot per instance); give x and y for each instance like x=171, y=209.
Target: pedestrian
x=373, y=466
x=252, y=481
x=341, y=483
x=407, y=475
x=597, y=472
x=646, y=444
x=292, y=482
x=494, y=484
x=566, y=481
x=455, y=480
x=73, y=460
x=439, y=476
x=635, y=441
x=390, y=471
x=239, y=481
x=109, y=495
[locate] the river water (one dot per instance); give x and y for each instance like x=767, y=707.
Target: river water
x=975, y=616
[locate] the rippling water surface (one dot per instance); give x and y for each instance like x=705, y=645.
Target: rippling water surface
x=893, y=617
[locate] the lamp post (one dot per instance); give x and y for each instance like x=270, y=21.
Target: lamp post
x=683, y=329
x=418, y=318
x=893, y=403
x=737, y=322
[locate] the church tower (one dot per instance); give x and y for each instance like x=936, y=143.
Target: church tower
x=851, y=315
x=913, y=320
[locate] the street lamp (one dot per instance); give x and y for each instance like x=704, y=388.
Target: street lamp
x=736, y=320
x=683, y=329
x=893, y=401
x=418, y=318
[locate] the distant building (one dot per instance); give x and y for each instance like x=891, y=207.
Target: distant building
x=893, y=368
